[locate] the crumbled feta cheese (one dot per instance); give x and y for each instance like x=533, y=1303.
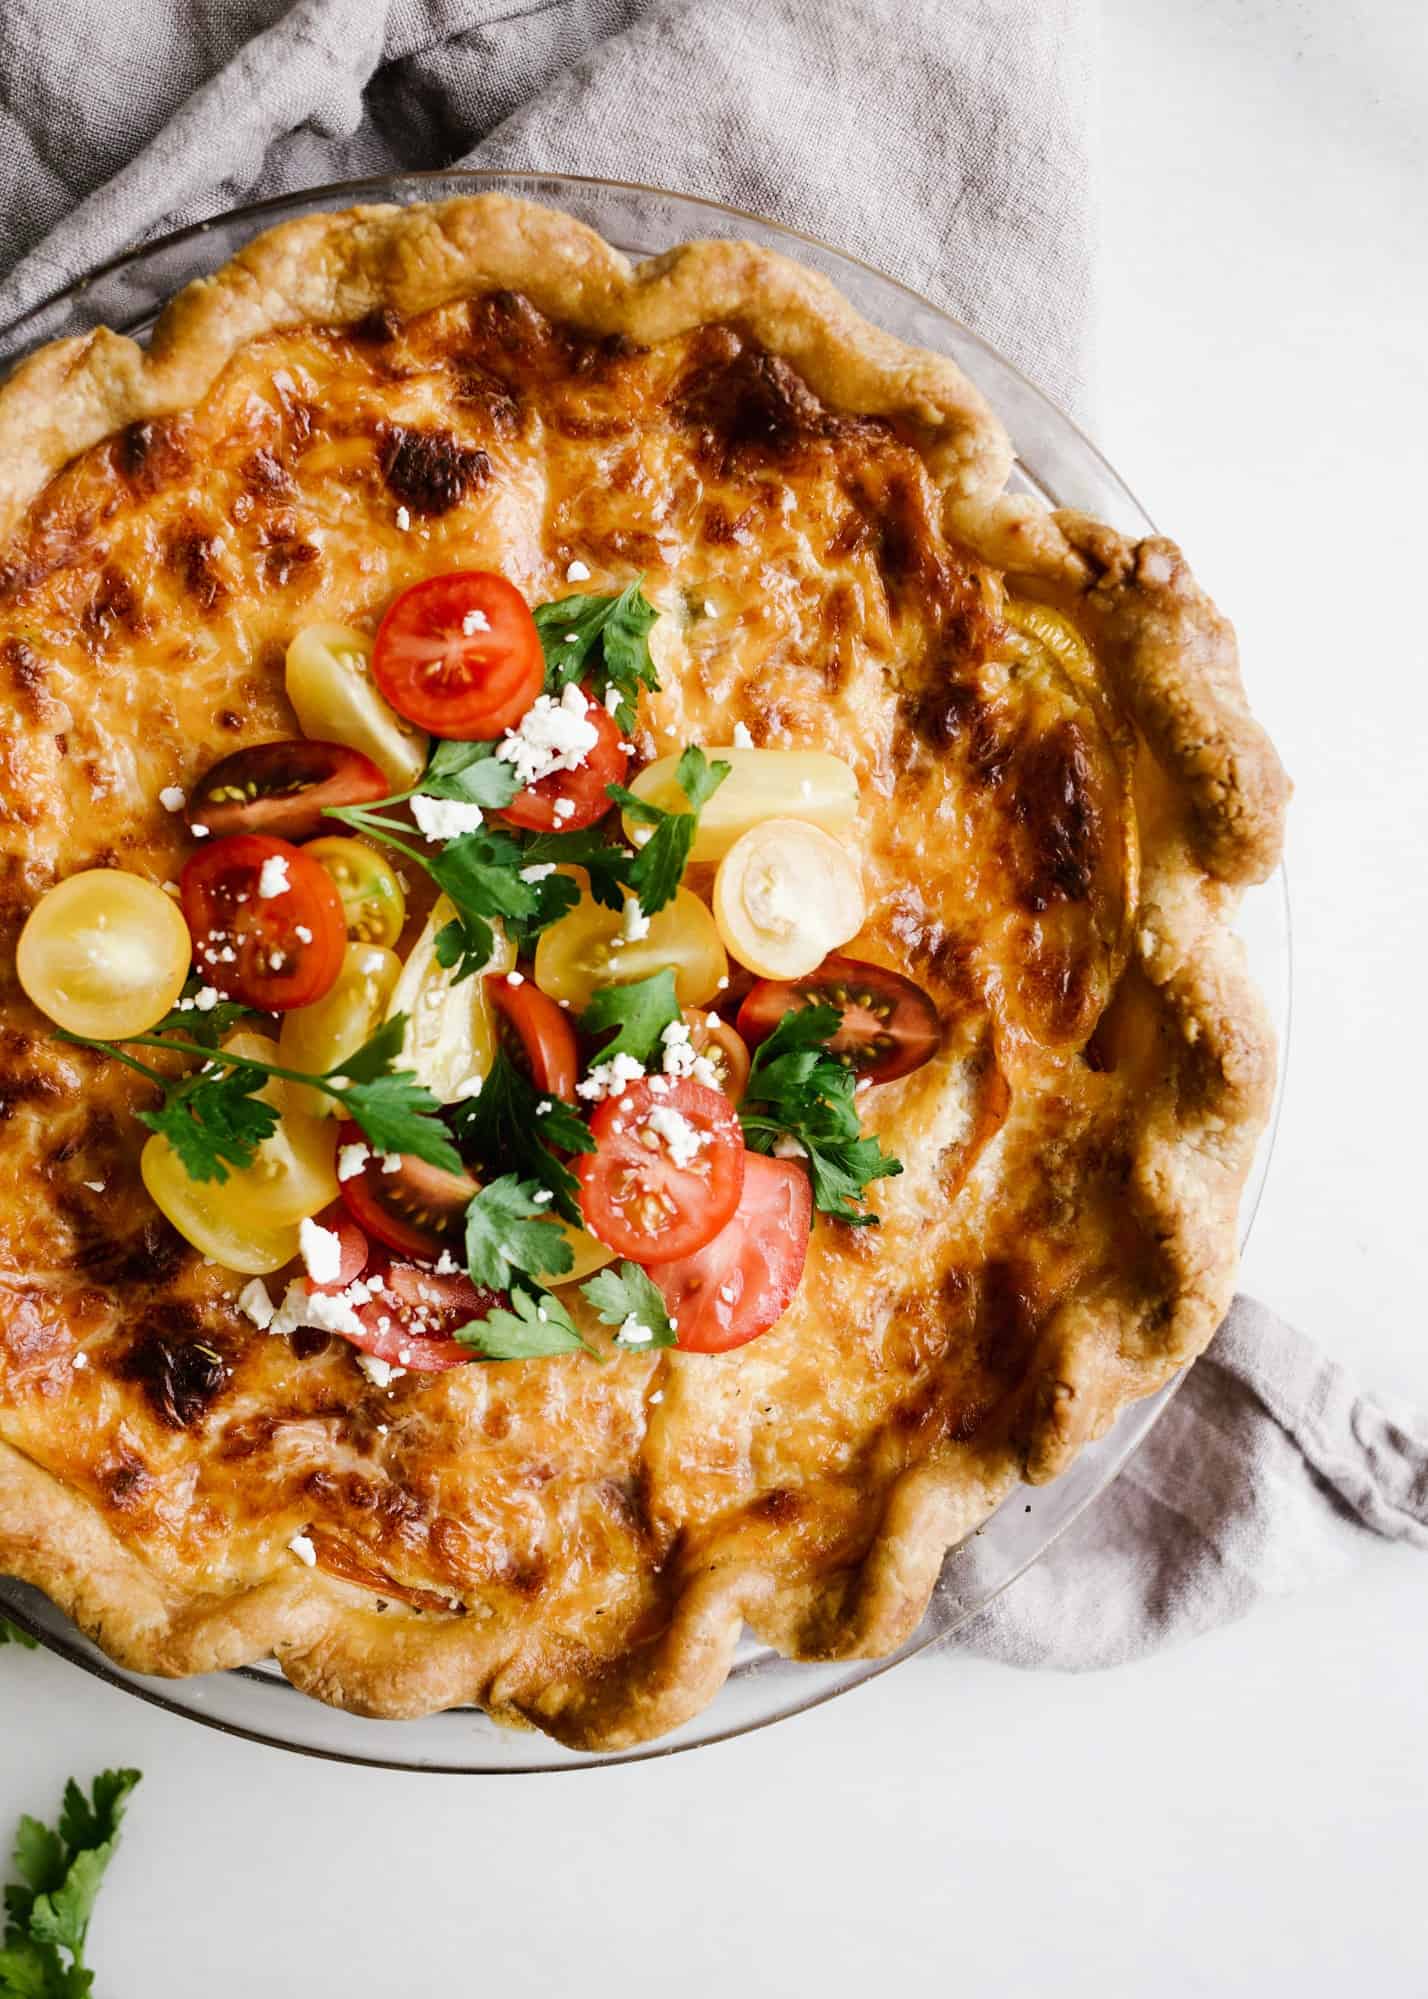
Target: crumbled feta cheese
x=471, y=1087
x=172, y=799
x=273, y=877
x=515, y=978
x=786, y=1146
x=445, y=818
x=80, y=1362
x=378, y=1371
x=544, y=1107
x=681, y=1140
x=391, y=1162
x=538, y=871
x=302, y=1547
x=563, y=808
x=321, y=1251
x=660, y=1086
x=446, y=1264
x=681, y=1058
x=199, y=832
x=329, y=1313
x=607, y=1079
x=351, y=1159
x=577, y=572
x=541, y=1197
x=404, y=519
x=253, y=1300
x=302, y=933
x=742, y=739
x=95, y=1186
x=658, y=1395
x=634, y=924
x=171, y=888
x=553, y=734
x=710, y=608
x=475, y=621
x=613, y=698
x=633, y=1332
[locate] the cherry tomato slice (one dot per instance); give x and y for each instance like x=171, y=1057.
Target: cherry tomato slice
x=890, y=1026
x=285, y=789
x=742, y=1282
x=645, y=1191
x=711, y=1036
x=538, y=1035
x=460, y=655
x=410, y=1319
x=266, y=922
x=416, y=1209
x=352, y=1249
x=581, y=790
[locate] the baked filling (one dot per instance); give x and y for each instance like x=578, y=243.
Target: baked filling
x=992, y=792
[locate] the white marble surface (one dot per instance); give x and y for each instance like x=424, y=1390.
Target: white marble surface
x=1248, y=1814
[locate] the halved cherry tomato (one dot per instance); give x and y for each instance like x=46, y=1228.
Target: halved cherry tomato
x=582, y=789
x=739, y=1284
x=460, y=655
x=634, y=1195
x=352, y=1249
x=890, y=1026
x=273, y=951
x=416, y=1208
x=537, y=1033
x=409, y=1320
x=284, y=788
x=711, y=1036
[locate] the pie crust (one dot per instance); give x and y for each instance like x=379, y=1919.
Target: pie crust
x=820, y=512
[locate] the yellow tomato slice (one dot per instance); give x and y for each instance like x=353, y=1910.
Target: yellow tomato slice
x=104, y=954
x=249, y=1222
x=451, y=1032
x=590, y=1255
x=318, y=1037
x=372, y=897
x=588, y=948
x=329, y=683
x=787, y=894
x=762, y=784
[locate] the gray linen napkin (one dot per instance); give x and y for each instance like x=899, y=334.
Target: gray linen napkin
x=945, y=142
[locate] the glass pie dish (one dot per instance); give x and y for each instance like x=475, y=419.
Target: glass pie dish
x=1055, y=462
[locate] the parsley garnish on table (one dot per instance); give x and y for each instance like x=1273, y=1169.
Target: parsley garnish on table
x=215, y=1121
x=569, y=630
x=49, y=1909
x=797, y=1090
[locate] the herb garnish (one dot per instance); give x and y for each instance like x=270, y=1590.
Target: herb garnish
x=509, y=1229
x=11, y=1634
x=215, y=1122
x=657, y=869
x=569, y=629
x=510, y=1121
x=639, y=1012
x=48, y=1910
x=536, y=1326
x=617, y=1296
x=797, y=1090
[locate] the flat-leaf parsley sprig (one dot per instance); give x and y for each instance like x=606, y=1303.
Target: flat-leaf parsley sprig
x=49, y=1909
x=569, y=630
x=215, y=1121
x=797, y=1090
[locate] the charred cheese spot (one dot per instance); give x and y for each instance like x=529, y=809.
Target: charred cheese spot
x=180, y=1377
x=428, y=471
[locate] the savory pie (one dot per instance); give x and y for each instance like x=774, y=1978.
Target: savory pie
x=1030, y=795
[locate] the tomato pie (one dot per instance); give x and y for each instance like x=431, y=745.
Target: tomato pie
x=619, y=1003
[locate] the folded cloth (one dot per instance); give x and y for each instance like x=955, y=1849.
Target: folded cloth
x=943, y=141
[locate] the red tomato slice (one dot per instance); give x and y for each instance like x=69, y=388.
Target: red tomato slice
x=272, y=951
x=538, y=1034
x=711, y=1036
x=742, y=1282
x=460, y=655
x=635, y=1196
x=409, y=1320
x=352, y=1249
x=417, y=1209
x=284, y=789
x=582, y=790
x=890, y=1026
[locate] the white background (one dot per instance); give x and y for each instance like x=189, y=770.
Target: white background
x=1246, y=1815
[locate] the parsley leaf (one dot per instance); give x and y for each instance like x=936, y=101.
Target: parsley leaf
x=630, y=1293
x=48, y=1910
x=509, y=1228
x=658, y=867
x=511, y=1122
x=399, y=1114
x=11, y=1634
x=639, y=1013
x=797, y=1089
x=589, y=848
x=535, y=1326
x=207, y=1026
x=569, y=630
x=472, y=773
x=214, y=1123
